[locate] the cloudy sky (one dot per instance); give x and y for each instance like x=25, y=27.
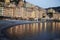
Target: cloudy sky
x=45, y=3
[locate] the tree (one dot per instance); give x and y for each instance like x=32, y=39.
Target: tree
x=16, y=1
x=1, y=0
x=50, y=12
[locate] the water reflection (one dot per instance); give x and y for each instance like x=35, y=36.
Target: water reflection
x=35, y=31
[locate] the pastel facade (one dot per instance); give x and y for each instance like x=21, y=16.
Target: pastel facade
x=24, y=10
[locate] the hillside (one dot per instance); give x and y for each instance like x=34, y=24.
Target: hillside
x=55, y=8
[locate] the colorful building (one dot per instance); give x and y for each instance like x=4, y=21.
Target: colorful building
x=23, y=9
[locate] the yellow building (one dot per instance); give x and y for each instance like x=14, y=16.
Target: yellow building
x=6, y=1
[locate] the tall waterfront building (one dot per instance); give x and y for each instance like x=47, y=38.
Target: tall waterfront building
x=21, y=8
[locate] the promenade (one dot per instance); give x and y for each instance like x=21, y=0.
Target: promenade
x=4, y=24
x=9, y=23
